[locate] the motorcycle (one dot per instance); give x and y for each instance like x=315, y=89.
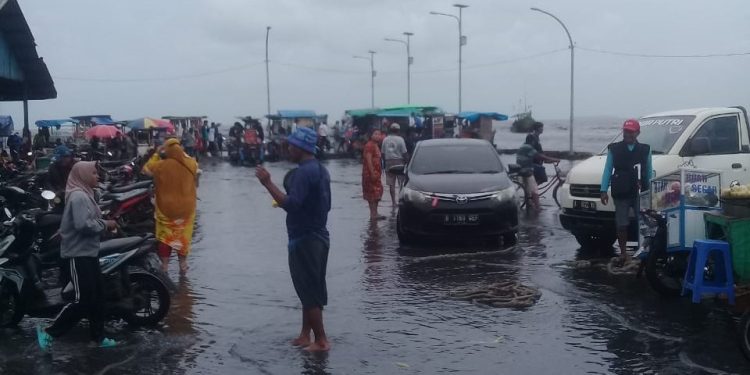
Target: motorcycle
x=135, y=288
x=664, y=269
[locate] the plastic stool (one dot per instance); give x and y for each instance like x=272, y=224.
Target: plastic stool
x=723, y=281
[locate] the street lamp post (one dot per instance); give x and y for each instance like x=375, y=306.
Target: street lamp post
x=372, y=75
x=461, y=43
x=268, y=79
x=572, y=69
x=409, y=61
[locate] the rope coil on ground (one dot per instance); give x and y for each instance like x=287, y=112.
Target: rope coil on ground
x=507, y=294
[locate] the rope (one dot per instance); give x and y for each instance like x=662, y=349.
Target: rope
x=507, y=294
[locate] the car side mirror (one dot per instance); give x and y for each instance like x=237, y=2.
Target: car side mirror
x=399, y=170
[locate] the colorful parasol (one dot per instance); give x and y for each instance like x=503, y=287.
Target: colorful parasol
x=150, y=123
x=102, y=132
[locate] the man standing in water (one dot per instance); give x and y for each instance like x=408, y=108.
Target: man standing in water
x=307, y=202
x=625, y=182
x=394, y=152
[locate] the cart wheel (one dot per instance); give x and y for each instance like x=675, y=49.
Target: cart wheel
x=744, y=334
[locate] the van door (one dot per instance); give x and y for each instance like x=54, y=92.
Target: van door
x=716, y=145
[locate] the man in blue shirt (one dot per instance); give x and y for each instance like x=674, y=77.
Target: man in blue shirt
x=620, y=173
x=306, y=202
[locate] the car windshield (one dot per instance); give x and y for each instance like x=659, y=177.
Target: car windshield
x=661, y=132
x=455, y=159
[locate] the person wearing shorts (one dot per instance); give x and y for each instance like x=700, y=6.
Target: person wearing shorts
x=625, y=181
x=395, y=153
x=307, y=202
x=525, y=158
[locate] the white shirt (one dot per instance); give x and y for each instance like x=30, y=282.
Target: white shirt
x=323, y=130
x=394, y=147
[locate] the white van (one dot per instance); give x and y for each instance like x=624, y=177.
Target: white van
x=704, y=138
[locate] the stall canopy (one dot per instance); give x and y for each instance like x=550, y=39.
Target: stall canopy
x=150, y=123
x=362, y=112
x=474, y=116
x=6, y=126
x=287, y=113
x=410, y=110
x=55, y=123
x=23, y=74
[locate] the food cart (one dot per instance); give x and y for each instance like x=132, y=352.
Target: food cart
x=429, y=121
x=689, y=200
x=480, y=123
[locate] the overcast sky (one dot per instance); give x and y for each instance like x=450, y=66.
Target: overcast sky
x=124, y=57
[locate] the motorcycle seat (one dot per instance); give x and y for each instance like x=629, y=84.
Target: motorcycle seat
x=126, y=188
x=121, y=197
x=47, y=219
x=119, y=245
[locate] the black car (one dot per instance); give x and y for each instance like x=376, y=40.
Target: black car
x=457, y=188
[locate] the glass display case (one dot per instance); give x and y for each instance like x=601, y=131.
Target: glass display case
x=683, y=196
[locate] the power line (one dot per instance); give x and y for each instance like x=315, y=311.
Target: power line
x=160, y=79
x=495, y=63
x=646, y=55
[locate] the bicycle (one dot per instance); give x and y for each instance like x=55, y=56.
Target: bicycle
x=557, y=180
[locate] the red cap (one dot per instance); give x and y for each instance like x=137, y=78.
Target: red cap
x=632, y=125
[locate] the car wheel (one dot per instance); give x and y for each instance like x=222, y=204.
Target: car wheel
x=404, y=237
x=591, y=241
x=510, y=239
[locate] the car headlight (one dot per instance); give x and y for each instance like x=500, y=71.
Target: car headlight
x=413, y=196
x=506, y=195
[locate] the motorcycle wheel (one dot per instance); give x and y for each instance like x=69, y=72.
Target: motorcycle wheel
x=10, y=306
x=151, y=300
x=665, y=271
x=744, y=334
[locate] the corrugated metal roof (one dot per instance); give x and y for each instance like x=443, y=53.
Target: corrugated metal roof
x=38, y=83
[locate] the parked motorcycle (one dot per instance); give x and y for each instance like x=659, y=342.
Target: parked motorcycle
x=135, y=288
x=665, y=269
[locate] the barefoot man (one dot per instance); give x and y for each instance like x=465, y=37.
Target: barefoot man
x=306, y=202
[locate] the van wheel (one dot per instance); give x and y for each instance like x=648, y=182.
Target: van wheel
x=509, y=239
x=597, y=241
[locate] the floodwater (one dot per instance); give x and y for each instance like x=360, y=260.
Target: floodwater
x=390, y=311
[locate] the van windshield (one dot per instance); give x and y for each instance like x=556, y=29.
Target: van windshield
x=661, y=132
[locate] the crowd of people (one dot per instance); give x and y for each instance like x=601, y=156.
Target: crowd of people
x=175, y=177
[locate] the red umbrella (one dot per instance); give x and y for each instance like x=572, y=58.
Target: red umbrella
x=103, y=132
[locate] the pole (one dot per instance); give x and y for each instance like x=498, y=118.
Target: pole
x=461, y=42
x=268, y=79
x=572, y=70
x=408, y=66
x=460, y=54
x=372, y=79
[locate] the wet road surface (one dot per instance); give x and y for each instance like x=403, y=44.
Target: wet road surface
x=389, y=308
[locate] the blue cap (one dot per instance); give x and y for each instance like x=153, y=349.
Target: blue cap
x=304, y=138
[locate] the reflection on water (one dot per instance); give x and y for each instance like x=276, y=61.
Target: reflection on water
x=390, y=310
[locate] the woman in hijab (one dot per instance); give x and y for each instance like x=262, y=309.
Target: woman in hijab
x=80, y=230
x=175, y=182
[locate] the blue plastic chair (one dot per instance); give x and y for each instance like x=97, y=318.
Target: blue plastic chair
x=723, y=279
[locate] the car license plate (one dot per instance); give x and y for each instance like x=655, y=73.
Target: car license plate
x=584, y=205
x=461, y=219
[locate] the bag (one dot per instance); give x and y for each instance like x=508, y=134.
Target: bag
x=624, y=184
x=540, y=174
